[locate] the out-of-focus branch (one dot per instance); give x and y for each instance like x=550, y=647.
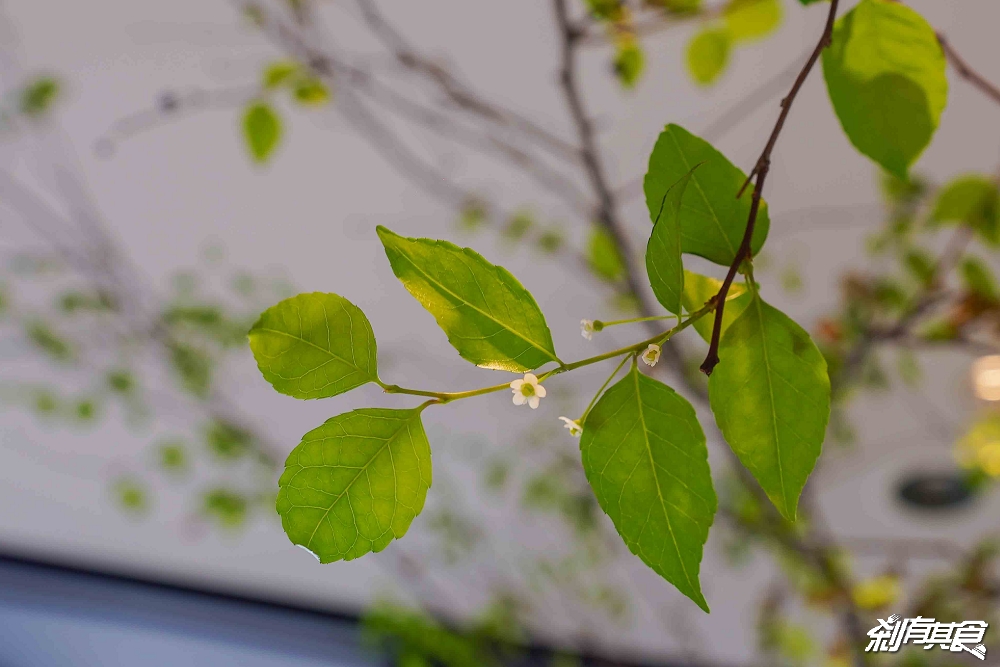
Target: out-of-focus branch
x=966, y=72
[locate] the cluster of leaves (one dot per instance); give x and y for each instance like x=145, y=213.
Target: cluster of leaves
x=356, y=482
x=262, y=126
x=737, y=23
x=111, y=356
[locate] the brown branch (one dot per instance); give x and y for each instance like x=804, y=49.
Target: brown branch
x=759, y=174
x=607, y=215
x=966, y=72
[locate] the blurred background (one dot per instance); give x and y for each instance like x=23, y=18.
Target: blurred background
x=169, y=170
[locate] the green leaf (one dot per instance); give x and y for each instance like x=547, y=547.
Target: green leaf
x=315, y=346
x=38, y=96
x=712, y=219
x=487, y=314
x=355, y=483
x=644, y=455
x=973, y=200
x=663, y=251
x=603, y=255
x=771, y=397
x=279, y=73
x=809, y=2
x=979, y=280
x=629, y=62
x=698, y=289
x=311, y=91
x=751, y=19
x=885, y=73
x=708, y=55
x=261, y=130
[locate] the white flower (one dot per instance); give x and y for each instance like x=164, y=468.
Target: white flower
x=527, y=391
x=574, y=427
x=587, y=329
x=651, y=355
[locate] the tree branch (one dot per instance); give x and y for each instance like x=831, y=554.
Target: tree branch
x=759, y=174
x=966, y=72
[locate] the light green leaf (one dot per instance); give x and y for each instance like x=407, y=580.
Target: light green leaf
x=487, y=314
x=698, y=289
x=261, y=130
x=311, y=91
x=809, y=2
x=708, y=55
x=751, y=19
x=663, y=251
x=355, y=483
x=279, y=73
x=978, y=279
x=771, y=397
x=38, y=96
x=973, y=200
x=629, y=62
x=315, y=346
x=603, y=256
x=885, y=73
x=712, y=219
x=644, y=455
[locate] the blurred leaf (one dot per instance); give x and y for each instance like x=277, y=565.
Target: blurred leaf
x=131, y=495
x=193, y=368
x=908, y=367
x=920, y=265
x=605, y=10
x=355, y=483
x=550, y=241
x=712, y=219
x=422, y=635
x=311, y=91
x=679, y=6
x=603, y=256
x=885, y=73
x=49, y=342
x=771, y=397
x=227, y=441
x=876, y=593
x=38, y=96
x=629, y=62
x=973, y=200
x=227, y=508
x=172, y=456
x=518, y=225
x=472, y=216
x=279, y=73
x=315, y=346
x=45, y=403
x=643, y=447
x=261, y=130
x=85, y=409
x=120, y=381
x=489, y=317
x=751, y=19
x=979, y=280
x=708, y=54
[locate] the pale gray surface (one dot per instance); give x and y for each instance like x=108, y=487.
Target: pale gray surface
x=313, y=212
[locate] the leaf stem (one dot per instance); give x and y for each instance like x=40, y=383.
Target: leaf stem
x=660, y=338
x=603, y=387
x=600, y=324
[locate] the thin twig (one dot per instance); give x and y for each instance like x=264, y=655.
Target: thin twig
x=759, y=174
x=966, y=72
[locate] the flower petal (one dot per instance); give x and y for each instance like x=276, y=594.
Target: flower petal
x=516, y=384
x=540, y=391
x=530, y=378
x=533, y=402
x=519, y=399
